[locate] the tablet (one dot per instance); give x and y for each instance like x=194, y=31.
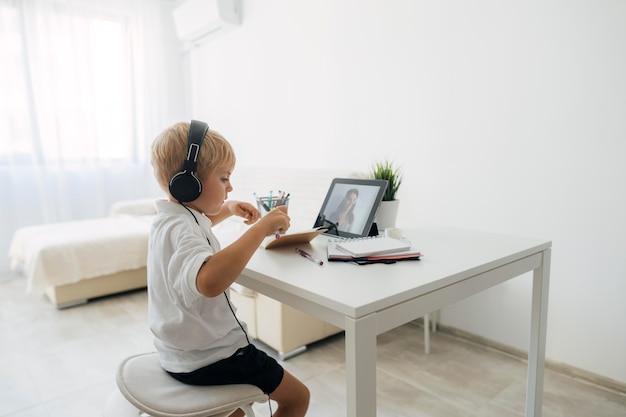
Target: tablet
x=350, y=206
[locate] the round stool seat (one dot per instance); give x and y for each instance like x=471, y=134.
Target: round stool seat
x=143, y=382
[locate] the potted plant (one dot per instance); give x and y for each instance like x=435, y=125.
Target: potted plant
x=388, y=209
x=385, y=170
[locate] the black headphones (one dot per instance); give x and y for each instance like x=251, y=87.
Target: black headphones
x=185, y=185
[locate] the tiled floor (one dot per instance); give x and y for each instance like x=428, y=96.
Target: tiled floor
x=62, y=363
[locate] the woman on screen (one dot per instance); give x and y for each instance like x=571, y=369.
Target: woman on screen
x=343, y=215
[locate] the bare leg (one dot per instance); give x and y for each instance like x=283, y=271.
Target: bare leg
x=237, y=413
x=292, y=397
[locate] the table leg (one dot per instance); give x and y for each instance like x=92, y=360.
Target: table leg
x=361, y=366
x=427, y=333
x=537, y=350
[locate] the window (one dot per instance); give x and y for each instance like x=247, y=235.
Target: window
x=67, y=84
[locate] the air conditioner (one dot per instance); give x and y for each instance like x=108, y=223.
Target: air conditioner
x=198, y=20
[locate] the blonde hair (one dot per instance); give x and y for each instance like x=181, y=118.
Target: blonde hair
x=169, y=151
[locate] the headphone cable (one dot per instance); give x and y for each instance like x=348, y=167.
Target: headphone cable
x=323, y=219
x=232, y=310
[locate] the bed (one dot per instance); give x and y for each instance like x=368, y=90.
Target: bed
x=73, y=262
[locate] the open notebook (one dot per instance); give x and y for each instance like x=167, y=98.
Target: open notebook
x=292, y=238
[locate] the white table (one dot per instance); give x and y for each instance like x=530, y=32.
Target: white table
x=369, y=300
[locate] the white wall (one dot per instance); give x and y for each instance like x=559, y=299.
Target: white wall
x=506, y=116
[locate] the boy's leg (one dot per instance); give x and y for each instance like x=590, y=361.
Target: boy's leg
x=237, y=413
x=292, y=397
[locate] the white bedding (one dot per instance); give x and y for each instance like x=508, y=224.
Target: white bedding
x=64, y=253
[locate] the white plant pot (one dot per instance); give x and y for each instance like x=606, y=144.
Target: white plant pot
x=386, y=215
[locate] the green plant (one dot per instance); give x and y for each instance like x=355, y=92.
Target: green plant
x=385, y=170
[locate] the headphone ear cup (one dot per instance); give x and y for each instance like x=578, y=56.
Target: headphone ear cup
x=185, y=186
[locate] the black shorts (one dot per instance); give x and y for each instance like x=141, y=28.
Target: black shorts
x=246, y=366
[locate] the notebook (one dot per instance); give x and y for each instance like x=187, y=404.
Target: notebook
x=292, y=239
x=369, y=246
x=334, y=254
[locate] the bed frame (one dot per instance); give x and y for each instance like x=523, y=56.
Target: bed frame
x=69, y=295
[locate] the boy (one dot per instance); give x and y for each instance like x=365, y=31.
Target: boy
x=197, y=335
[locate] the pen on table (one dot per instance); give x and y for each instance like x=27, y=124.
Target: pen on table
x=269, y=199
x=309, y=256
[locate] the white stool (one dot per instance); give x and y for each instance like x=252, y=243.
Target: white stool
x=144, y=387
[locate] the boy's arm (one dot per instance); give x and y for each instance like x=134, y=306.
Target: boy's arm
x=223, y=268
x=236, y=208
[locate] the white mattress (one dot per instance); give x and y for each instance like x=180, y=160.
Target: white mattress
x=64, y=253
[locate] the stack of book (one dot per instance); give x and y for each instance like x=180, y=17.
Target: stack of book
x=376, y=249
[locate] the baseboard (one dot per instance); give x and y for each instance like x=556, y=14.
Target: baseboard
x=561, y=368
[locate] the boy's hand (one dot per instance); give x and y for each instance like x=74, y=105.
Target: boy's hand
x=245, y=210
x=276, y=220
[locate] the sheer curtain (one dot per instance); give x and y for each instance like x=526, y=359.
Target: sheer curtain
x=85, y=86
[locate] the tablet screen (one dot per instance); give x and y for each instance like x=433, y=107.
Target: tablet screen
x=350, y=206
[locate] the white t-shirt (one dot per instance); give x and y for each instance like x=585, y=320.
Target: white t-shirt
x=190, y=329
